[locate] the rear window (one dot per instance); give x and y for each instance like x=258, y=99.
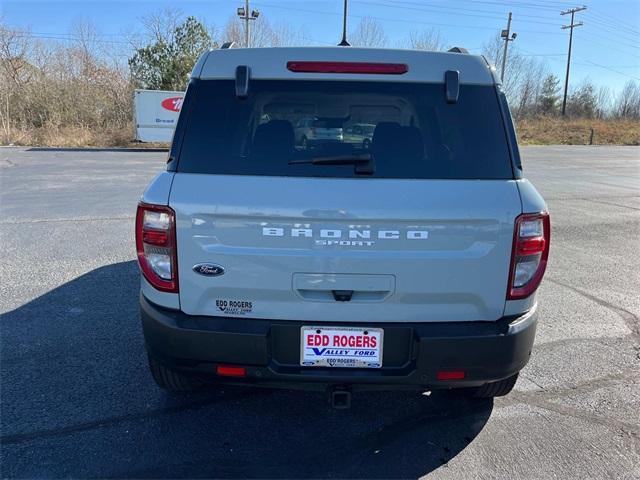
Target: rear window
x=344, y=129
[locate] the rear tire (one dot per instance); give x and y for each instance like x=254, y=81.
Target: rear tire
x=172, y=381
x=494, y=389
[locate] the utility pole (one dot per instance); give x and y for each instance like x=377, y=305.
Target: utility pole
x=507, y=38
x=344, y=42
x=243, y=13
x=573, y=25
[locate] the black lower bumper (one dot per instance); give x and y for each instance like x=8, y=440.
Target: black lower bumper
x=413, y=353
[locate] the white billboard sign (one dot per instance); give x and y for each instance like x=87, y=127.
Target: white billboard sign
x=156, y=114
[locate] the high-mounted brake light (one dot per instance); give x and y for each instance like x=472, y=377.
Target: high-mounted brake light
x=348, y=67
x=529, y=254
x=156, y=246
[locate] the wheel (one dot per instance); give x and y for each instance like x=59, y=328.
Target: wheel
x=171, y=380
x=366, y=144
x=494, y=389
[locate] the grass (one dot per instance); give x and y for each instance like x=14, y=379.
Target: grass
x=54, y=136
x=560, y=131
x=531, y=131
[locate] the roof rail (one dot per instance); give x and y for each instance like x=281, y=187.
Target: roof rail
x=226, y=45
x=458, y=50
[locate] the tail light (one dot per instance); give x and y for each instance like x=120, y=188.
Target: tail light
x=529, y=254
x=156, y=246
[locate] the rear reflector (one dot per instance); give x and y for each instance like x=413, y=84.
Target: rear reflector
x=229, y=371
x=348, y=67
x=450, y=375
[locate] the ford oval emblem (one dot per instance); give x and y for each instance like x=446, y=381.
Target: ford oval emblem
x=208, y=269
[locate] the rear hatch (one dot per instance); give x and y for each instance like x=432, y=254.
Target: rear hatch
x=419, y=227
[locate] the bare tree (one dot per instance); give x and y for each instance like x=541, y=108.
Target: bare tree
x=285, y=35
x=160, y=26
x=628, y=101
x=492, y=50
x=368, y=33
x=14, y=51
x=263, y=33
x=523, y=76
x=528, y=86
x=425, y=40
x=13, y=66
x=603, y=101
x=232, y=32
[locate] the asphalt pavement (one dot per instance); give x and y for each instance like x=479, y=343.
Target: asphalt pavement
x=76, y=399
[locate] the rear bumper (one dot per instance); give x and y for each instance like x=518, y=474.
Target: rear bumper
x=269, y=349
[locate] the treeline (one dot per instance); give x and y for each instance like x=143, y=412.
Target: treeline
x=77, y=89
x=534, y=91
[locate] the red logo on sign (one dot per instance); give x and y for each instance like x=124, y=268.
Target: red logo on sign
x=174, y=104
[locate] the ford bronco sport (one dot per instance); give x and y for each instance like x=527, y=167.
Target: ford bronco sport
x=410, y=262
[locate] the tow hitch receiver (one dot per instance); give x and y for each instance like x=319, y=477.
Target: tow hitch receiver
x=340, y=398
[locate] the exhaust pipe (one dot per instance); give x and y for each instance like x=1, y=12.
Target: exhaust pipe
x=340, y=398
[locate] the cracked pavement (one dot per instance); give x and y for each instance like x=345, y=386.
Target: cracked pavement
x=76, y=399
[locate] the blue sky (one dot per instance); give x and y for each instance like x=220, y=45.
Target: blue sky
x=606, y=49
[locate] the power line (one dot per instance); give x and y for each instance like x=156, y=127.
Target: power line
x=615, y=42
x=610, y=69
x=573, y=25
x=629, y=36
x=542, y=54
x=616, y=21
x=67, y=38
x=520, y=4
x=401, y=20
x=448, y=11
x=612, y=26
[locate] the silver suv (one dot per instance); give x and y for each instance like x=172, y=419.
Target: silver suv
x=317, y=131
x=409, y=261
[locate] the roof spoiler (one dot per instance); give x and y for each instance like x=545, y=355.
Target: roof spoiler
x=227, y=45
x=458, y=50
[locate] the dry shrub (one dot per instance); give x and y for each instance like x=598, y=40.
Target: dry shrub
x=52, y=135
x=57, y=95
x=577, y=131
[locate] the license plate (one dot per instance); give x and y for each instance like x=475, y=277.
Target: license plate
x=346, y=347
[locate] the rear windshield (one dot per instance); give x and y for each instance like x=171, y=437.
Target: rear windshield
x=344, y=129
